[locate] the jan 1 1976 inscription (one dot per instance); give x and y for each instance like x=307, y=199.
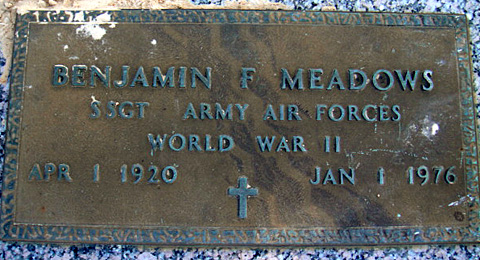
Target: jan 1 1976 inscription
x=240, y=128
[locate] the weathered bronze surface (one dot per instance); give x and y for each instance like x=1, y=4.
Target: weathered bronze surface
x=372, y=161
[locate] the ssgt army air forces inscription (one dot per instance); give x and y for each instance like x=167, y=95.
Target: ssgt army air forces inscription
x=194, y=127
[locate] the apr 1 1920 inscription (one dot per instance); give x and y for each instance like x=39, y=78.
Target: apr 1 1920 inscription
x=192, y=127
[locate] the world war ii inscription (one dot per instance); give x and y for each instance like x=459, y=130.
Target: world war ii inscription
x=240, y=128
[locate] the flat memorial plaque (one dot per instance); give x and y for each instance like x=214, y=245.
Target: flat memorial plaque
x=194, y=127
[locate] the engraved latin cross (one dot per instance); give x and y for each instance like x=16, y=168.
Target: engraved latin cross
x=242, y=193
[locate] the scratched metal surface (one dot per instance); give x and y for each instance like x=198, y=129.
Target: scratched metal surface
x=291, y=210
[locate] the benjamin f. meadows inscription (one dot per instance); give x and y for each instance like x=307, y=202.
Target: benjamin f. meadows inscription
x=189, y=127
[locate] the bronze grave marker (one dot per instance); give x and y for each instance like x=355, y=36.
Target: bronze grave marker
x=194, y=127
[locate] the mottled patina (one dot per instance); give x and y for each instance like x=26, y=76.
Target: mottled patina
x=347, y=180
